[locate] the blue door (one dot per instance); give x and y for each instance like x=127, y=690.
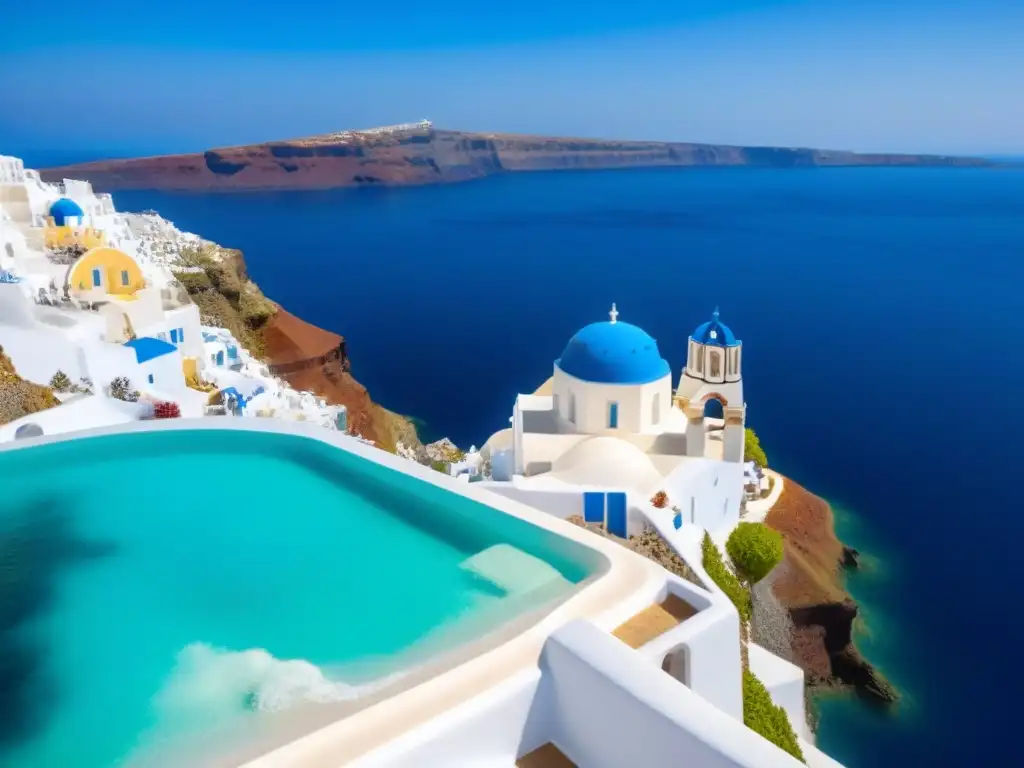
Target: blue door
x=613, y=415
x=96, y=278
x=617, y=514
x=220, y=358
x=593, y=507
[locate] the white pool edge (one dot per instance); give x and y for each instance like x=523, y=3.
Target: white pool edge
x=628, y=584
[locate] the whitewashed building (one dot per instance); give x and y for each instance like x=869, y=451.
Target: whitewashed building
x=611, y=433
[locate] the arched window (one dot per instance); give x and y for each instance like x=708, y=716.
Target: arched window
x=656, y=408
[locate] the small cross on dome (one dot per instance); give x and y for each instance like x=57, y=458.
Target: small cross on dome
x=614, y=314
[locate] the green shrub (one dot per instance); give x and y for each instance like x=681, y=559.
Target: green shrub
x=724, y=578
x=754, y=549
x=224, y=279
x=752, y=449
x=60, y=382
x=195, y=256
x=761, y=715
x=254, y=307
x=194, y=282
x=121, y=389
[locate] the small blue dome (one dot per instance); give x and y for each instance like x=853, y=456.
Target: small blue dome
x=613, y=353
x=147, y=347
x=63, y=208
x=715, y=333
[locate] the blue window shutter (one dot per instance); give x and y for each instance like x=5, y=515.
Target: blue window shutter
x=181, y=334
x=613, y=415
x=151, y=378
x=96, y=278
x=124, y=277
x=174, y=335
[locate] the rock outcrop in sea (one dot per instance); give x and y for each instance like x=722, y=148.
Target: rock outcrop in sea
x=809, y=584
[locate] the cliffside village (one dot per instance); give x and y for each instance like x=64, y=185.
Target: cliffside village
x=93, y=306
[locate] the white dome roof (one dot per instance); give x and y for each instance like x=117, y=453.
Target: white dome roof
x=607, y=462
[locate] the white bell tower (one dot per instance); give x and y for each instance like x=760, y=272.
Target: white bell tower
x=713, y=371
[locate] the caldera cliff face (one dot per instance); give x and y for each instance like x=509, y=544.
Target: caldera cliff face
x=426, y=155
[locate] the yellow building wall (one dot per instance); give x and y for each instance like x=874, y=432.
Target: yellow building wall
x=189, y=368
x=113, y=263
x=65, y=237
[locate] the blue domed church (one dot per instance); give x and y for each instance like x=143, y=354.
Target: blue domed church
x=610, y=377
x=609, y=423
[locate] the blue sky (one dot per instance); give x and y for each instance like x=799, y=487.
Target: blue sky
x=120, y=77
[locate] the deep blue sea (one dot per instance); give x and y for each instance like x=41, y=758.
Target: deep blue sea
x=881, y=315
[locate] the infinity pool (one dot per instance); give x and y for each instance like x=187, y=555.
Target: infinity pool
x=174, y=592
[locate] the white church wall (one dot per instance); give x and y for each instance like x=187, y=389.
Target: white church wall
x=641, y=408
x=665, y=443
x=558, y=503
x=540, y=451
x=707, y=493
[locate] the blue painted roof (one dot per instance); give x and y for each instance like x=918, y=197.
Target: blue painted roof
x=146, y=348
x=613, y=353
x=63, y=208
x=715, y=333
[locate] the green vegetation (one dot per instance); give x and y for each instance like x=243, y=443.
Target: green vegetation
x=60, y=382
x=194, y=282
x=724, y=578
x=752, y=449
x=224, y=294
x=19, y=397
x=196, y=256
x=121, y=389
x=256, y=308
x=762, y=716
x=755, y=549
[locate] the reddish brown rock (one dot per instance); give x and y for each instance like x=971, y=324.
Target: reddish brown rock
x=809, y=584
x=310, y=358
x=426, y=156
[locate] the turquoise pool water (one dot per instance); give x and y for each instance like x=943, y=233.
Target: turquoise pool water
x=172, y=591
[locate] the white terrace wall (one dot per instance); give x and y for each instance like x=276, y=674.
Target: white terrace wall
x=608, y=699
x=558, y=503
x=38, y=353
x=707, y=493
x=567, y=502
x=489, y=730
x=785, y=684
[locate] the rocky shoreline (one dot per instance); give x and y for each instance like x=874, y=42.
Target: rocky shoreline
x=809, y=585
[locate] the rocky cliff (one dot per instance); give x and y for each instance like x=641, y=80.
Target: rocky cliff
x=427, y=155
x=307, y=357
x=310, y=358
x=809, y=584
x=19, y=397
